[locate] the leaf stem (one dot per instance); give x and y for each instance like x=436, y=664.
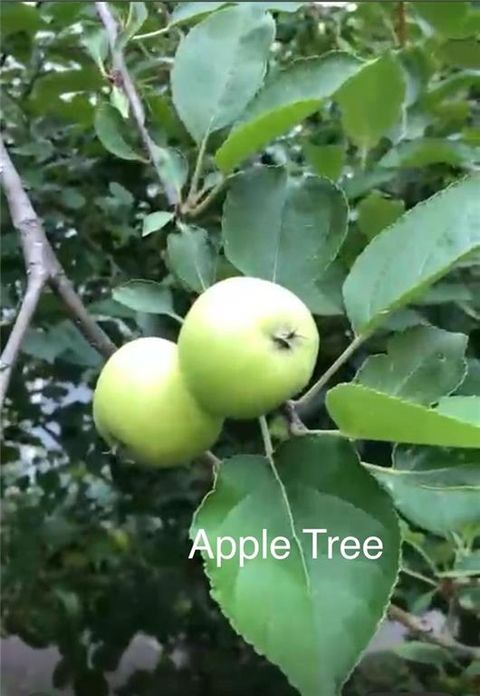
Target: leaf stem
x=337, y=433
x=418, y=576
x=151, y=34
x=198, y=170
x=423, y=554
x=203, y=205
x=210, y=459
x=305, y=401
x=267, y=443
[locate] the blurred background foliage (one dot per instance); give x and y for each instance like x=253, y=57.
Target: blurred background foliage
x=95, y=552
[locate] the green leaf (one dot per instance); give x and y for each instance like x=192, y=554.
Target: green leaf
x=137, y=14
x=435, y=461
x=62, y=340
x=471, y=384
x=423, y=653
x=362, y=182
x=145, y=296
x=192, y=257
x=423, y=364
x=277, y=6
x=452, y=86
x=464, y=53
x=465, y=408
x=20, y=17
x=364, y=119
x=328, y=291
x=376, y=212
x=172, y=167
x=55, y=84
x=108, y=129
x=446, y=292
x=156, y=221
x=96, y=44
x=72, y=198
x=435, y=489
x=298, y=610
x=325, y=160
x=283, y=229
x=121, y=195
x=74, y=347
x=41, y=345
x=287, y=98
x=186, y=11
x=468, y=565
x=427, y=151
x=219, y=66
x=118, y=99
x=363, y=413
x=449, y=18
x=408, y=257
x=109, y=308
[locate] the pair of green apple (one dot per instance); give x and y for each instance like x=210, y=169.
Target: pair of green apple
x=246, y=346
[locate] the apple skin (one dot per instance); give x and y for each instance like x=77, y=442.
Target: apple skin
x=246, y=346
x=142, y=405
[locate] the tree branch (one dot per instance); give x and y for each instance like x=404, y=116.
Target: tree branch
x=125, y=82
x=64, y=289
x=24, y=318
x=423, y=630
x=42, y=266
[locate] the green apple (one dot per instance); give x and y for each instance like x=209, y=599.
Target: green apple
x=142, y=405
x=246, y=346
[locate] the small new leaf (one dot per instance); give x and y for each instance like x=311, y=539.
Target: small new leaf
x=108, y=128
x=156, y=221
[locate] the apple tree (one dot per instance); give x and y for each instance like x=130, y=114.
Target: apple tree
x=151, y=150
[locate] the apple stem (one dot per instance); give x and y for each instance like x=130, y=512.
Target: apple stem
x=267, y=440
x=295, y=424
x=304, y=402
x=210, y=459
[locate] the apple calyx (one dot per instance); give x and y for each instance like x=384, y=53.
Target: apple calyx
x=285, y=339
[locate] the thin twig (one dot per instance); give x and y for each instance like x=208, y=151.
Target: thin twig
x=157, y=32
x=419, y=576
x=304, y=402
x=42, y=267
x=63, y=288
x=125, y=82
x=34, y=253
x=422, y=629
